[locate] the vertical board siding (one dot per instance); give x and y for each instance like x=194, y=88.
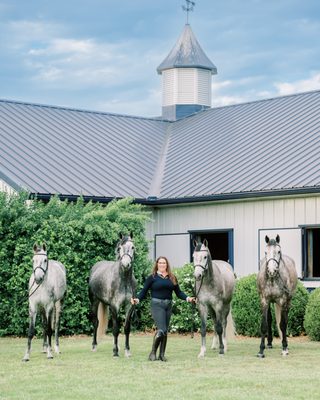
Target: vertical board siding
x=245, y=218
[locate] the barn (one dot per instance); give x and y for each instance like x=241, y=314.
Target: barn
x=228, y=174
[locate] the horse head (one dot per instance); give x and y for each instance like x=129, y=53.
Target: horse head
x=273, y=256
x=40, y=262
x=125, y=250
x=201, y=257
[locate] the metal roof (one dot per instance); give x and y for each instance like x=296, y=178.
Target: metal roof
x=268, y=147
x=261, y=146
x=57, y=150
x=187, y=53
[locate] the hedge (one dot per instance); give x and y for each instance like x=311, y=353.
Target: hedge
x=312, y=315
x=246, y=309
x=78, y=235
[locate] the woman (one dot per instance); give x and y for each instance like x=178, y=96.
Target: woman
x=162, y=283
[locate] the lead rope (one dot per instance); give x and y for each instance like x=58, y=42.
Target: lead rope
x=193, y=306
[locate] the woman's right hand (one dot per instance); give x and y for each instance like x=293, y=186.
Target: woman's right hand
x=134, y=301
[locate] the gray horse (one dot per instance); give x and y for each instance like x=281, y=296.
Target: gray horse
x=276, y=281
x=47, y=288
x=112, y=285
x=214, y=286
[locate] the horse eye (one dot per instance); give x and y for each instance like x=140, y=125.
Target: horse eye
x=205, y=257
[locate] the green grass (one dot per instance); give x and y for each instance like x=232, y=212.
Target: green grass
x=79, y=374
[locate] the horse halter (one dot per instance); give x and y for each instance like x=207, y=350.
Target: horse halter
x=40, y=267
x=126, y=253
x=205, y=267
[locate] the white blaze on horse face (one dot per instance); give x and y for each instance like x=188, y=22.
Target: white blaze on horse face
x=200, y=262
x=273, y=255
x=126, y=253
x=40, y=264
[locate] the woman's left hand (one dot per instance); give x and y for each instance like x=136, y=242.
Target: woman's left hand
x=191, y=299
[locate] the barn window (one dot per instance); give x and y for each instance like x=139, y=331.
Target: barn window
x=311, y=248
x=220, y=243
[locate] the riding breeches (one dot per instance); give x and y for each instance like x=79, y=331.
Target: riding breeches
x=161, y=311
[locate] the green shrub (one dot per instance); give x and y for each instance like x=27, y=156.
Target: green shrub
x=297, y=311
x=78, y=235
x=312, y=316
x=185, y=316
x=246, y=309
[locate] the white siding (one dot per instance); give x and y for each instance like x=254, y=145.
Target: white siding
x=186, y=86
x=246, y=218
x=4, y=187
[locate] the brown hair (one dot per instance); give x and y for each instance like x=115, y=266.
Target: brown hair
x=170, y=274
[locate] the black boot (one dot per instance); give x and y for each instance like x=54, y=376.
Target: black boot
x=156, y=341
x=163, y=346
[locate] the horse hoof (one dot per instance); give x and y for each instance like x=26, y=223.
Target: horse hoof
x=50, y=358
x=26, y=359
x=115, y=355
x=269, y=346
x=200, y=355
x=260, y=355
x=221, y=354
x=94, y=348
x=127, y=353
x=285, y=353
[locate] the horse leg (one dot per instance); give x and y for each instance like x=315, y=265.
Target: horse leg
x=115, y=331
x=283, y=327
x=219, y=330
x=203, y=315
x=264, y=329
x=95, y=321
x=215, y=339
x=269, y=345
x=45, y=339
x=127, y=329
x=57, y=311
x=49, y=316
x=32, y=322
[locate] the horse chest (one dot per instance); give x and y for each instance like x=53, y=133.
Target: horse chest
x=273, y=291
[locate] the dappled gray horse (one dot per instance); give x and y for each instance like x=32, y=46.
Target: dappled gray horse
x=276, y=281
x=214, y=286
x=111, y=285
x=47, y=288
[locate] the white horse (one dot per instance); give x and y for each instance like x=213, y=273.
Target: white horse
x=277, y=280
x=47, y=288
x=214, y=288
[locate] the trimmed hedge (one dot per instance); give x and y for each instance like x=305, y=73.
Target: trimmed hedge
x=78, y=235
x=246, y=309
x=312, y=315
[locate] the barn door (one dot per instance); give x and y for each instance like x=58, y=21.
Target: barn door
x=176, y=247
x=290, y=242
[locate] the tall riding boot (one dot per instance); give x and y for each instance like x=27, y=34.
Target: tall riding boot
x=163, y=346
x=156, y=341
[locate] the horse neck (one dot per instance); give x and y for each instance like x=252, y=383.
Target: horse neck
x=210, y=275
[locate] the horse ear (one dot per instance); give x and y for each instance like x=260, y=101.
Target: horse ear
x=44, y=246
x=120, y=236
x=278, y=239
x=195, y=243
x=205, y=242
x=35, y=247
x=267, y=239
x=131, y=234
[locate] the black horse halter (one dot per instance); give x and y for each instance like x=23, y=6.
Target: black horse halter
x=126, y=253
x=42, y=269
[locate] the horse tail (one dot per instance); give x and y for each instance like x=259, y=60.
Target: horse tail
x=278, y=318
x=102, y=318
x=230, y=329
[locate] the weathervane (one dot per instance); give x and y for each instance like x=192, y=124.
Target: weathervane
x=188, y=8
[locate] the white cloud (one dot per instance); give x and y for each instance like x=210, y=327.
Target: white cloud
x=305, y=85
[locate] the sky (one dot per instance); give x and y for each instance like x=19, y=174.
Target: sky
x=102, y=55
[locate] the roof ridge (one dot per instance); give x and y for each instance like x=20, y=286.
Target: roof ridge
x=18, y=102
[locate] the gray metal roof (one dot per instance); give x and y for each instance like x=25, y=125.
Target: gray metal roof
x=187, y=53
x=263, y=146
x=57, y=150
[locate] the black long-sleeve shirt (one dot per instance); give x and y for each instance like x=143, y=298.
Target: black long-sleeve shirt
x=161, y=288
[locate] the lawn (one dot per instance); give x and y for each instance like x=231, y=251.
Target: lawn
x=79, y=374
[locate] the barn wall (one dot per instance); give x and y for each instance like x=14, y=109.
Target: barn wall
x=246, y=218
x=4, y=187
